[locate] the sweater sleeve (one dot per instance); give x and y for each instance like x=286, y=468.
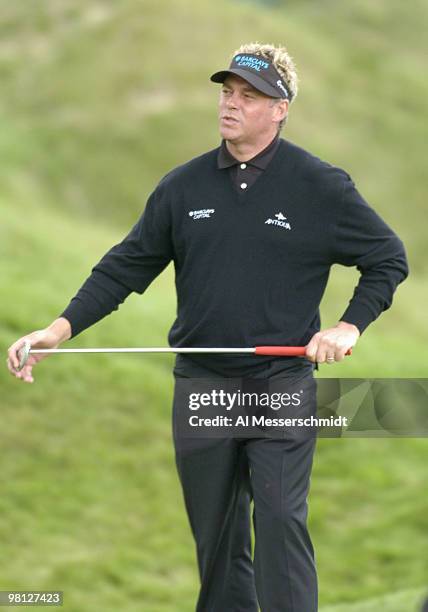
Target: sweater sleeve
x=128, y=266
x=364, y=240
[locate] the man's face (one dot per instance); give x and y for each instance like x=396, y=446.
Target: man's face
x=246, y=115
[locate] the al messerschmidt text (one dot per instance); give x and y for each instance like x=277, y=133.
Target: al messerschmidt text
x=262, y=421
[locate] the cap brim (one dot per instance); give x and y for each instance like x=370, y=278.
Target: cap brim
x=252, y=79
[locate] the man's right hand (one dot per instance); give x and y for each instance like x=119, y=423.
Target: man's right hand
x=50, y=337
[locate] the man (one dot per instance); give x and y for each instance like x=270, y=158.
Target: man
x=253, y=228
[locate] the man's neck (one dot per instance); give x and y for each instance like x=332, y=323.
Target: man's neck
x=244, y=151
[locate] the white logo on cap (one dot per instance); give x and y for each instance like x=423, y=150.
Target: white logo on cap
x=281, y=86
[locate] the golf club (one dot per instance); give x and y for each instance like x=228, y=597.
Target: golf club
x=277, y=351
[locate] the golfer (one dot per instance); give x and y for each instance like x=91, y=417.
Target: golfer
x=253, y=228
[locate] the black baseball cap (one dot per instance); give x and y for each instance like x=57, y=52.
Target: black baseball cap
x=258, y=71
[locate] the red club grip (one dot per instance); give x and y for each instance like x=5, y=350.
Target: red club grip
x=285, y=351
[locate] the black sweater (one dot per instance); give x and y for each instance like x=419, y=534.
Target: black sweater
x=250, y=268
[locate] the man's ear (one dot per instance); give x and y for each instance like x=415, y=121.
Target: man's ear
x=281, y=110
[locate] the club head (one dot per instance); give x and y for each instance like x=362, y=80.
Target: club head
x=23, y=354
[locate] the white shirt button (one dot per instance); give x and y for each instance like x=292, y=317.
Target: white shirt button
x=244, y=185
x=243, y=166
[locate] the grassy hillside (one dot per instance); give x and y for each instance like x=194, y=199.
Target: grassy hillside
x=99, y=100
x=106, y=97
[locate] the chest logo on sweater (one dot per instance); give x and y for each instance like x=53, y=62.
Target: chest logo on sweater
x=204, y=213
x=280, y=220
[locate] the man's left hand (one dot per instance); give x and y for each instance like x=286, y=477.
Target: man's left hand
x=332, y=344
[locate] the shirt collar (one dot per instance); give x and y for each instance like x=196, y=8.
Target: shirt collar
x=225, y=159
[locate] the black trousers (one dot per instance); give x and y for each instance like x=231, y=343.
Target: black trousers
x=219, y=478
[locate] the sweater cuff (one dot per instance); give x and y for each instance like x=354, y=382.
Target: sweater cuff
x=359, y=315
x=77, y=324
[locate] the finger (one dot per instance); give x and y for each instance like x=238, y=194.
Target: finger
x=11, y=368
x=311, y=355
x=326, y=348
x=321, y=355
x=342, y=346
x=25, y=376
x=330, y=357
x=323, y=349
x=27, y=373
x=14, y=352
x=341, y=352
x=311, y=349
x=12, y=356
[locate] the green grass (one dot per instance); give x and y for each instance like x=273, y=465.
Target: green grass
x=90, y=119
x=403, y=601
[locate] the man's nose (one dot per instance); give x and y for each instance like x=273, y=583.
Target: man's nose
x=232, y=101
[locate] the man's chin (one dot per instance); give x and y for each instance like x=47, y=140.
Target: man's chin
x=230, y=135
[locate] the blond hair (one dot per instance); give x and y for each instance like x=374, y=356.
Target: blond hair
x=282, y=61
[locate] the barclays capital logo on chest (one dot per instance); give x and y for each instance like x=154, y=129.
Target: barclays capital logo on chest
x=280, y=221
x=203, y=213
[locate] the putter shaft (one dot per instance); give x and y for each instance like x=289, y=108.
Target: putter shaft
x=153, y=349
x=274, y=351
x=291, y=351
